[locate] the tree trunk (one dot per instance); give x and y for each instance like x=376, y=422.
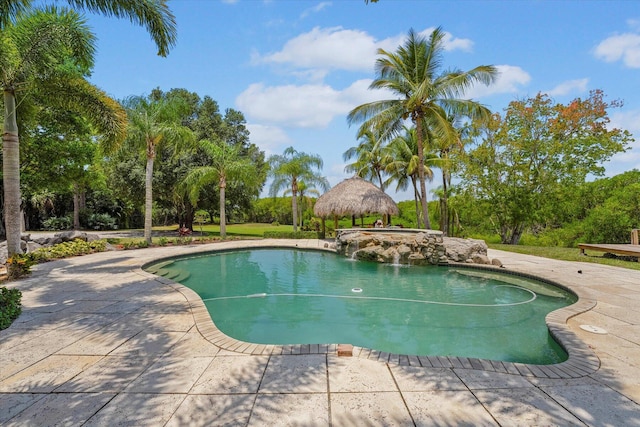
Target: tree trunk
x=76, y=207
x=11, y=174
x=444, y=207
x=294, y=204
x=148, y=200
x=301, y=207
x=189, y=215
x=223, y=219
x=421, y=178
x=516, y=234
x=416, y=198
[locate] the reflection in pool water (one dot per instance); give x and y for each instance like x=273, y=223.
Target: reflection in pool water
x=285, y=296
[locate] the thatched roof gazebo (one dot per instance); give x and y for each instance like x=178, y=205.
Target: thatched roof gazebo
x=354, y=196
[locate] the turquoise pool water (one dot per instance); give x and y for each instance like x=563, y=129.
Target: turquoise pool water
x=285, y=296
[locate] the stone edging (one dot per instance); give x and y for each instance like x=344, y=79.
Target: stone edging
x=582, y=360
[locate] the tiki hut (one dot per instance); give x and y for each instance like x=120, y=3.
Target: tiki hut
x=356, y=197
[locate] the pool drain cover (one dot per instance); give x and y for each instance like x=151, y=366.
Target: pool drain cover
x=356, y=290
x=593, y=329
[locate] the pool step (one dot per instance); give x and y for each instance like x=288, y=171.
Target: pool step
x=154, y=268
x=176, y=275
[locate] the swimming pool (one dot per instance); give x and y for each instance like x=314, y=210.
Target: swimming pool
x=287, y=296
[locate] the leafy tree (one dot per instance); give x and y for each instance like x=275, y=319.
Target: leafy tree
x=44, y=56
x=152, y=123
x=524, y=160
x=290, y=168
x=226, y=165
x=425, y=96
x=155, y=15
x=204, y=118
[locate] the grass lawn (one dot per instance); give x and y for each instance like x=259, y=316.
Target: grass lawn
x=566, y=254
x=238, y=230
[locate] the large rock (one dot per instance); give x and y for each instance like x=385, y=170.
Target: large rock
x=416, y=247
x=465, y=250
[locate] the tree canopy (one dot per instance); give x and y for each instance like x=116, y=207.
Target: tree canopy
x=522, y=162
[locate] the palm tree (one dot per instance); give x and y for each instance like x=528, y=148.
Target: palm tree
x=290, y=168
x=425, y=97
x=444, y=145
x=227, y=164
x=154, y=15
x=44, y=56
x=152, y=123
x=371, y=155
x=304, y=191
x=404, y=166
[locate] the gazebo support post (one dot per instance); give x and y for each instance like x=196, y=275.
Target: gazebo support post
x=324, y=228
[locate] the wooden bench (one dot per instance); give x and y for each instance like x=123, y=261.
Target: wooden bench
x=620, y=249
x=630, y=250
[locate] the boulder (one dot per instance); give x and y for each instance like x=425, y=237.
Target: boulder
x=68, y=236
x=461, y=250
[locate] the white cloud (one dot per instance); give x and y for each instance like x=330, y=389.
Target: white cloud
x=327, y=48
x=306, y=106
x=565, y=88
x=317, y=8
x=628, y=120
x=268, y=138
x=303, y=106
x=625, y=47
x=510, y=80
x=336, y=48
x=450, y=42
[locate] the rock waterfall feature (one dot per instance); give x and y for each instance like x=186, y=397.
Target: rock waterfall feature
x=408, y=246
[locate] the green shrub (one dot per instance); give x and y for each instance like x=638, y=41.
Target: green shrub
x=19, y=265
x=102, y=222
x=10, y=307
x=162, y=241
x=68, y=249
x=57, y=223
x=292, y=235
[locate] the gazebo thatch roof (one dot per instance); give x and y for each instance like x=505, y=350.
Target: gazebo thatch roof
x=354, y=196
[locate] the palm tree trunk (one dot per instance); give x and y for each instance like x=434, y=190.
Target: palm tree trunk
x=416, y=198
x=223, y=219
x=76, y=207
x=421, y=178
x=294, y=203
x=148, y=200
x=444, y=208
x=300, y=207
x=11, y=174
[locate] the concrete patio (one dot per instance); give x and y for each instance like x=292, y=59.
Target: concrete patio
x=101, y=342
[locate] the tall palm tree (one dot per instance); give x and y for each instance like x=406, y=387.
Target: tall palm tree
x=227, y=164
x=372, y=157
x=404, y=166
x=444, y=145
x=153, y=122
x=290, y=168
x=154, y=15
x=426, y=96
x=44, y=56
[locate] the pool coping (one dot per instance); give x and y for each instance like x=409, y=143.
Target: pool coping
x=582, y=360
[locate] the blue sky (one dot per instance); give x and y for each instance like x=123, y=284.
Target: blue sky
x=295, y=68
